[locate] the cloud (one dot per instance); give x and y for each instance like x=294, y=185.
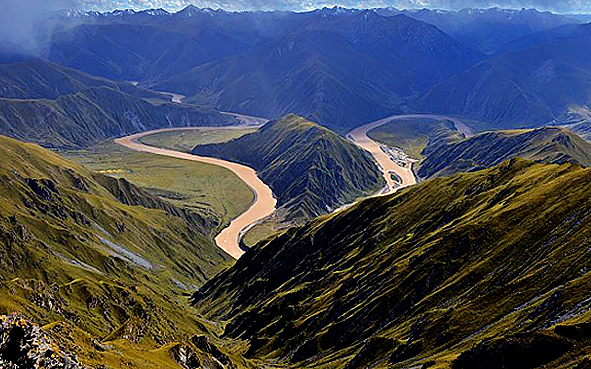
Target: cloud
x=561, y=6
x=18, y=19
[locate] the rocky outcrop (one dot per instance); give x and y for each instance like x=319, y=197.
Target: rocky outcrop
x=24, y=345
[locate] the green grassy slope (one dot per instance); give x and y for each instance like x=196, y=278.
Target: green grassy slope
x=105, y=279
x=482, y=264
x=413, y=135
x=311, y=169
x=549, y=144
x=215, y=193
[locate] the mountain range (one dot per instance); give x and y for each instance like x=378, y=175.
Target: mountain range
x=60, y=107
x=487, y=30
x=339, y=67
x=340, y=70
x=483, y=264
x=527, y=87
x=487, y=269
x=310, y=169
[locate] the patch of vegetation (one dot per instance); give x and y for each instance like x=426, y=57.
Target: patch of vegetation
x=186, y=140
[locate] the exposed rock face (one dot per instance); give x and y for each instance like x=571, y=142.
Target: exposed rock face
x=185, y=357
x=204, y=344
x=200, y=353
x=24, y=345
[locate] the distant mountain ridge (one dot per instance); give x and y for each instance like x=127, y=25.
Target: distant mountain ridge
x=524, y=88
x=487, y=30
x=340, y=67
x=60, y=107
x=548, y=144
x=341, y=71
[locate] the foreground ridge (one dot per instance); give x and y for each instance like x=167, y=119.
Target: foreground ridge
x=422, y=276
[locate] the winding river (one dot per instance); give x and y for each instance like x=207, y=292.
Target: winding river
x=263, y=205
x=387, y=165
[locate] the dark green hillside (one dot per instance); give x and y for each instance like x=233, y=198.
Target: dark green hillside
x=103, y=275
x=531, y=87
x=486, y=267
x=550, y=145
x=61, y=107
x=311, y=169
x=340, y=70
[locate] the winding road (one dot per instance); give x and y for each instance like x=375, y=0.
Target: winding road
x=263, y=205
x=387, y=165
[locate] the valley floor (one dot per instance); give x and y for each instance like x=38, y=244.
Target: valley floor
x=402, y=168
x=263, y=205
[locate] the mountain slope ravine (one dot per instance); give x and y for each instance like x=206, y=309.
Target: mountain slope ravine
x=263, y=206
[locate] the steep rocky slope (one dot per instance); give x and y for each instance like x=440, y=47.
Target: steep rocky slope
x=102, y=276
x=487, y=267
x=311, y=169
x=549, y=144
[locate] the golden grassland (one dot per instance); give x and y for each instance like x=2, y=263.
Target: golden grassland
x=207, y=189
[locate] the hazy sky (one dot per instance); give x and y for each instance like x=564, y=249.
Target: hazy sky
x=560, y=6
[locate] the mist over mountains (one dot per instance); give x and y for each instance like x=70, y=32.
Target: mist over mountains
x=371, y=63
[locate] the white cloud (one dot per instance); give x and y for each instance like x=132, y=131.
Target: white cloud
x=553, y=5
x=18, y=19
